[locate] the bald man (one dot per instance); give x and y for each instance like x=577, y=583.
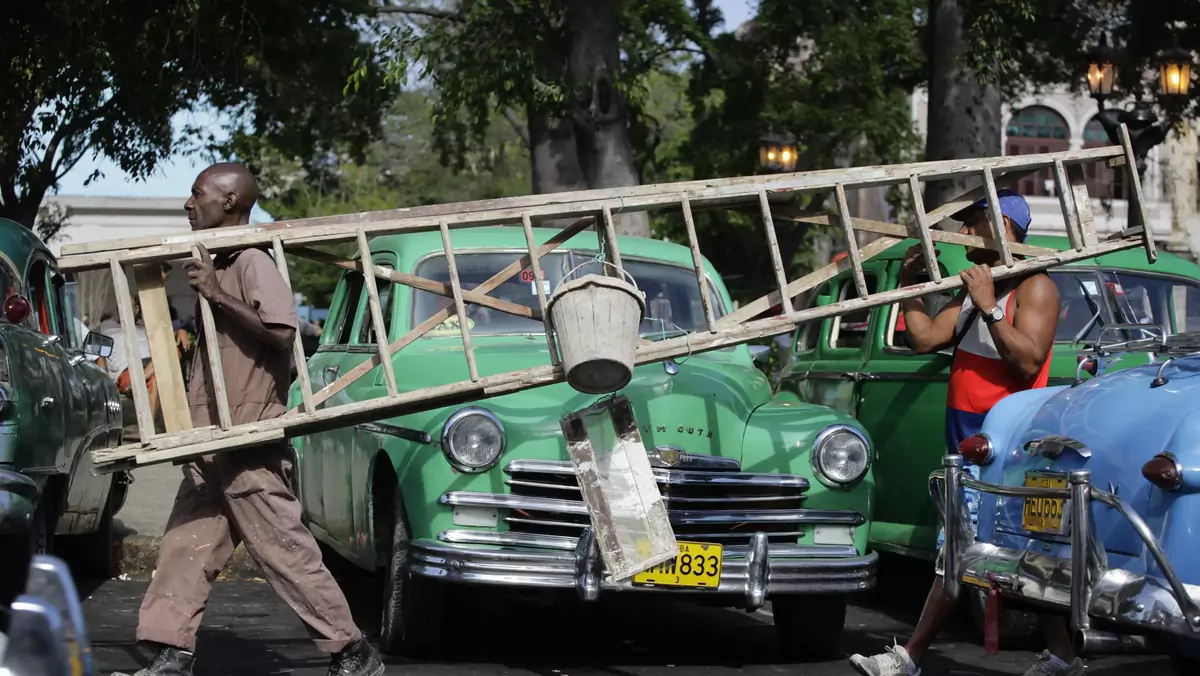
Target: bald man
x=245, y=495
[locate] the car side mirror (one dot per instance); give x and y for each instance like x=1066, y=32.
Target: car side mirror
x=97, y=345
x=46, y=634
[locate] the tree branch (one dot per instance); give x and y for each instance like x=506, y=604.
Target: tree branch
x=431, y=12
x=518, y=126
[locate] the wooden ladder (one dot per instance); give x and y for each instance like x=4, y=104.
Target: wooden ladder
x=593, y=208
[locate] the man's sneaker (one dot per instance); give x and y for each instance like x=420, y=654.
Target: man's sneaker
x=168, y=662
x=894, y=662
x=1049, y=665
x=357, y=659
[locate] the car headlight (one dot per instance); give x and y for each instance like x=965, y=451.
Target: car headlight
x=840, y=456
x=472, y=440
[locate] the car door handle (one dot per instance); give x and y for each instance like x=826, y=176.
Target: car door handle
x=331, y=373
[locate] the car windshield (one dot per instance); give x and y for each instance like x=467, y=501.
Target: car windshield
x=672, y=298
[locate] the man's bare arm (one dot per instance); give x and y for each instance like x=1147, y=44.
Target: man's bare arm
x=1025, y=343
x=930, y=334
x=275, y=335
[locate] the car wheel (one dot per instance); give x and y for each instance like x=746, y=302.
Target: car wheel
x=808, y=627
x=412, y=605
x=95, y=555
x=1018, y=630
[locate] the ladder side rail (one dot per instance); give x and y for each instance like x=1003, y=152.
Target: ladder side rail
x=997, y=218
x=610, y=249
x=421, y=283
x=856, y=269
x=164, y=354
x=698, y=262
x=1083, y=205
x=442, y=395
x=943, y=236
x=442, y=315
x=538, y=281
x=1135, y=184
x=306, y=394
x=459, y=307
x=922, y=225
x=1066, y=201
x=773, y=249
x=375, y=309
x=212, y=346
x=137, y=381
x=642, y=198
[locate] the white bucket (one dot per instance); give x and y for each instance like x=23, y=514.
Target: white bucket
x=596, y=321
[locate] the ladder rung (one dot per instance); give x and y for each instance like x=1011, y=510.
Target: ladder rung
x=141, y=395
x=860, y=281
x=1136, y=193
x=213, y=348
x=698, y=262
x=306, y=393
x=923, y=229
x=1083, y=205
x=764, y=205
x=611, y=251
x=376, y=313
x=459, y=306
x=1001, y=232
x=1066, y=200
x=538, y=278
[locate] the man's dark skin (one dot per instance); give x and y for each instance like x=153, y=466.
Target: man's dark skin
x=1023, y=344
x=222, y=197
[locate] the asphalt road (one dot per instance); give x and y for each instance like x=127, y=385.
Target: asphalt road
x=247, y=630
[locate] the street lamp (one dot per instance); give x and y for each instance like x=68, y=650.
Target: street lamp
x=776, y=152
x=1175, y=71
x=1102, y=71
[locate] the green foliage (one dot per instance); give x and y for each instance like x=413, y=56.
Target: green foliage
x=80, y=77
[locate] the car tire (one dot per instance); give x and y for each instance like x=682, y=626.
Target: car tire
x=412, y=618
x=808, y=627
x=95, y=555
x=1018, y=630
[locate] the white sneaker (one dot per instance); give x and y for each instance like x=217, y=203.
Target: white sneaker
x=894, y=662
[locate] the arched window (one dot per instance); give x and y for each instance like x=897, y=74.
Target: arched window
x=1035, y=130
x=1103, y=182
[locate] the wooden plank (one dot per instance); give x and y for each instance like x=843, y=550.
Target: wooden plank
x=212, y=346
x=856, y=271
x=168, y=374
x=432, y=286
x=612, y=252
x=306, y=394
x=376, y=311
x=442, y=315
x=184, y=445
x=799, y=286
x=998, y=228
x=538, y=280
x=584, y=203
x=900, y=232
x=1135, y=183
x=1066, y=201
x=1083, y=205
x=698, y=263
x=923, y=227
x=141, y=396
x=459, y=306
x=773, y=249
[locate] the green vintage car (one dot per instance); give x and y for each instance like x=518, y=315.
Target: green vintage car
x=483, y=493
x=859, y=364
x=56, y=406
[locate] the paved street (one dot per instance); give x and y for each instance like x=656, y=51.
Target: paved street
x=247, y=630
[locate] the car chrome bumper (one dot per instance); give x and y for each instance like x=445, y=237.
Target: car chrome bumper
x=18, y=501
x=1084, y=584
x=753, y=572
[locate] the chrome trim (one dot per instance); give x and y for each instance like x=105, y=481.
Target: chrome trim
x=669, y=499
x=672, y=477
x=507, y=539
x=457, y=417
x=751, y=574
x=1052, y=446
x=815, y=455
x=405, y=433
x=661, y=456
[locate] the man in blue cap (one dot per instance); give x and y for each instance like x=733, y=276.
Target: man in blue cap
x=1002, y=335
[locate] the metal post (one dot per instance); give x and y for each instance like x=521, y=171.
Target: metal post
x=953, y=465
x=1081, y=540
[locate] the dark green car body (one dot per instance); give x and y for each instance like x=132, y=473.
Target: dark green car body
x=860, y=365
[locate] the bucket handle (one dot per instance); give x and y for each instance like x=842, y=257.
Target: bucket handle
x=602, y=262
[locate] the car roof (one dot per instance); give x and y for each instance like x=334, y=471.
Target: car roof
x=18, y=243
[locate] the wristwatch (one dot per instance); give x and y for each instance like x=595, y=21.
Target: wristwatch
x=994, y=315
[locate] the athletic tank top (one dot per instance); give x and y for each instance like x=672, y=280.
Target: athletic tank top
x=978, y=375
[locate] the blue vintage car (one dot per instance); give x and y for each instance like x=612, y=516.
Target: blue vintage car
x=1089, y=501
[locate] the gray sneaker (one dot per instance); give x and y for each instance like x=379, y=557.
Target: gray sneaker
x=894, y=662
x=1046, y=665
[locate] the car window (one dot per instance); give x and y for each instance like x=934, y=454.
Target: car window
x=895, y=337
x=810, y=332
x=41, y=298
x=1083, y=306
x=366, y=328
x=341, y=322
x=1172, y=302
x=849, y=331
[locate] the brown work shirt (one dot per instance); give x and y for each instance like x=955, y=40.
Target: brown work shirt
x=257, y=375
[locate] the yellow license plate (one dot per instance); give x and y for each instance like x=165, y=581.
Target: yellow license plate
x=698, y=565
x=1044, y=515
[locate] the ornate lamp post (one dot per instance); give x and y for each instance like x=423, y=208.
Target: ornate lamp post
x=776, y=152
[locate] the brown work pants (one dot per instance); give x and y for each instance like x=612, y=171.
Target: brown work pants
x=241, y=496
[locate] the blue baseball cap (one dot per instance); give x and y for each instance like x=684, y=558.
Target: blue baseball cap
x=1012, y=205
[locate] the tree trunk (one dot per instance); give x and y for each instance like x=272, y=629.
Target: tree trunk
x=23, y=210
x=599, y=111
x=554, y=157
x=964, y=116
